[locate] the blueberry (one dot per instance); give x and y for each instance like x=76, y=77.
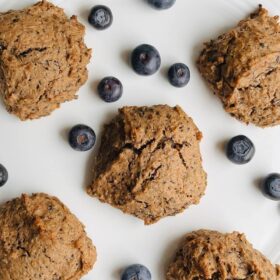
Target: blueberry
x=271, y=186
x=162, y=4
x=136, y=272
x=100, y=17
x=240, y=149
x=81, y=138
x=3, y=175
x=145, y=60
x=179, y=75
x=110, y=89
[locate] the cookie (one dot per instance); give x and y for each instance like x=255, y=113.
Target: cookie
x=208, y=254
x=41, y=239
x=242, y=68
x=43, y=59
x=149, y=163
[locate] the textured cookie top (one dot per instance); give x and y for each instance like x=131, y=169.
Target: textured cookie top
x=149, y=163
x=43, y=59
x=41, y=239
x=208, y=254
x=242, y=67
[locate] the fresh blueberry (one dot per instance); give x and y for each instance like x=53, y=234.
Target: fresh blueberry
x=271, y=186
x=145, y=60
x=81, y=138
x=179, y=75
x=100, y=17
x=110, y=89
x=136, y=272
x=240, y=149
x=3, y=175
x=162, y=4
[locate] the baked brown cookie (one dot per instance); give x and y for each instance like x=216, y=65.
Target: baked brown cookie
x=207, y=254
x=41, y=239
x=149, y=163
x=242, y=68
x=43, y=59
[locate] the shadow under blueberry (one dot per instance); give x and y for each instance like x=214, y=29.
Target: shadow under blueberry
x=164, y=72
x=117, y=273
x=146, y=3
x=125, y=56
x=257, y=183
x=64, y=133
x=94, y=86
x=221, y=145
x=84, y=13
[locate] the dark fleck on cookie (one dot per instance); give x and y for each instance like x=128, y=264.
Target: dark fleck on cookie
x=149, y=163
x=43, y=59
x=41, y=239
x=212, y=255
x=242, y=68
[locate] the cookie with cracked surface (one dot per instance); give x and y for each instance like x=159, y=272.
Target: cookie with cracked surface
x=242, y=67
x=43, y=59
x=206, y=254
x=41, y=239
x=149, y=163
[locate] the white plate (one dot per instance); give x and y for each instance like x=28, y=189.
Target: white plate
x=40, y=160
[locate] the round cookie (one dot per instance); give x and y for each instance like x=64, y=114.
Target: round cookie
x=149, y=163
x=43, y=59
x=212, y=255
x=242, y=68
x=41, y=239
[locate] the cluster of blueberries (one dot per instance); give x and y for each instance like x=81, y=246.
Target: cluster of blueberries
x=240, y=150
x=146, y=60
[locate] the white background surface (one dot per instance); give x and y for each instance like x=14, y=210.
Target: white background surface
x=39, y=159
